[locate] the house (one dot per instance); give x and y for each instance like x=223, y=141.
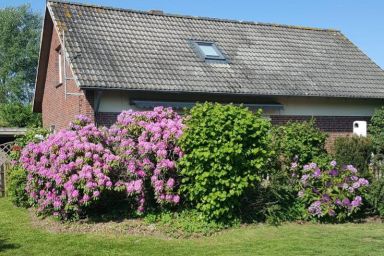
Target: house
x=99, y=61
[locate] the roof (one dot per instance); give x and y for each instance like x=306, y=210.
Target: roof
x=12, y=131
x=123, y=49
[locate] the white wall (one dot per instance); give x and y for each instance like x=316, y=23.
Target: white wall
x=114, y=101
x=328, y=106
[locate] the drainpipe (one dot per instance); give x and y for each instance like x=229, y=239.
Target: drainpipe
x=97, y=104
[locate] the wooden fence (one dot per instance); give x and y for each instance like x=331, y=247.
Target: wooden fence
x=3, y=170
x=5, y=149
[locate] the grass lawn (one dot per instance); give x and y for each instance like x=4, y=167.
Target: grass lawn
x=19, y=237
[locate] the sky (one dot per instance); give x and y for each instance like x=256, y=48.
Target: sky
x=362, y=21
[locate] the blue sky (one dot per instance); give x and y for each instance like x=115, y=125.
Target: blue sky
x=362, y=21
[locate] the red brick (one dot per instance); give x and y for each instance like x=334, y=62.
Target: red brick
x=58, y=110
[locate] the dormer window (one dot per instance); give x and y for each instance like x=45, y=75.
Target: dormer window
x=208, y=51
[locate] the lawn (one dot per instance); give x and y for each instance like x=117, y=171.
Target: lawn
x=19, y=237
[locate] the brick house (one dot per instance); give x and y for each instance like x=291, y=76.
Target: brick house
x=99, y=61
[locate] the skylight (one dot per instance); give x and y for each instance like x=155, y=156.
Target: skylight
x=208, y=51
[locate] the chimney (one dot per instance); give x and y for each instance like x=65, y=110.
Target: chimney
x=156, y=12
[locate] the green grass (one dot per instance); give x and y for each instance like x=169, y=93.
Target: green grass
x=19, y=237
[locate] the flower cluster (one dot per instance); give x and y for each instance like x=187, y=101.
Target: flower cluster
x=68, y=170
x=146, y=144
x=331, y=193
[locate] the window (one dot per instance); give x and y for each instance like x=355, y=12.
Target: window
x=60, y=67
x=208, y=51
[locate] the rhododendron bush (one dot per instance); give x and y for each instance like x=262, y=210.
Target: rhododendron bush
x=68, y=171
x=331, y=194
x=146, y=143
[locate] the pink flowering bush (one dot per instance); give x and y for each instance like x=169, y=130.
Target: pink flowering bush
x=146, y=145
x=69, y=170
x=331, y=194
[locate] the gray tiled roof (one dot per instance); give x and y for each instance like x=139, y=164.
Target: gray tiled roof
x=133, y=50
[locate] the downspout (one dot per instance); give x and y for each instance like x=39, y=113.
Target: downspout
x=97, y=104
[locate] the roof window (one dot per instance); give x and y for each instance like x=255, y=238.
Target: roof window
x=208, y=51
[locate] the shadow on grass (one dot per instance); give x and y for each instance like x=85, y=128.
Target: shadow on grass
x=4, y=245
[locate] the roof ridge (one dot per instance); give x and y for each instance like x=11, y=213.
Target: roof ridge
x=193, y=17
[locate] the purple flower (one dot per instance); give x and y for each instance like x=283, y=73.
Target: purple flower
x=312, y=165
x=325, y=198
x=315, y=209
x=316, y=173
x=333, y=163
x=346, y=202
x=356, y=185
x=304, y=178
x=351, y=169
x=363, y=182
x=357, y=201
x=333, y=172
x=331, y=212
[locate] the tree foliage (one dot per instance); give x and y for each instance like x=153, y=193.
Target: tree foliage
x=18, y=115
x=19, y=51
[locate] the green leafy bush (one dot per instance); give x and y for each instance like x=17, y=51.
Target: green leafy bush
x=295, y=143
x=16, y=176
x=331, y=194
x=282, y=203
x=18, y=115
x=354, y=150
x=226, y=152
x=375, y=196
x=298, y=142
x=376, y=130
x=16, y=182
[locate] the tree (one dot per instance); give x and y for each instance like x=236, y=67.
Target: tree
x=19, y=51
x=18, y=115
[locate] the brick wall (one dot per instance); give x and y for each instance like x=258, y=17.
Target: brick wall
x=56, y=109
x=332, y=124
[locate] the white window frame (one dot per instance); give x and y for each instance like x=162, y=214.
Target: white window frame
x=60, y=66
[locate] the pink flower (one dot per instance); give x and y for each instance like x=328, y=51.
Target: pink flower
x=176, y=199
x=75, y=193
x=96, y=194
x=170, y=183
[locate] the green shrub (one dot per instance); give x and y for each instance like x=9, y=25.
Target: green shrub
x=375, y=196
x=18, y=115
x=226, y=152
x=16, y=176
x=376, y=130
x=298, y=142
x=16, y=182
x=354, y=150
